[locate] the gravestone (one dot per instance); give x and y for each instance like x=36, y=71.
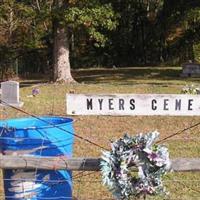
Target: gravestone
x=190, y=69
x=10, y=94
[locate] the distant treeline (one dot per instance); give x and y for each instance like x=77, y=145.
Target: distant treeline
x=139, y=33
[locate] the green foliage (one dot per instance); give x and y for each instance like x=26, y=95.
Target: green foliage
x=197, y=52
x=28, y=25
x=103, y=32
x=16, y=24
x=92, y=19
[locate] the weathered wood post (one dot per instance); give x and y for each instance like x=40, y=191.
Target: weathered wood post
x=80, y=164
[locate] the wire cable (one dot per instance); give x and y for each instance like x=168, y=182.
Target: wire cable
x=36, y=117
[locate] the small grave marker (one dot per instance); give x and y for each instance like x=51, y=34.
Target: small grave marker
x=10, y=93
x=190, y=70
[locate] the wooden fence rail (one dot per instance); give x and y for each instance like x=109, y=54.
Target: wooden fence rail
x=79, y=164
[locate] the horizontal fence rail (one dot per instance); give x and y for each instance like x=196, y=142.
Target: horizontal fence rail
x=79, y=164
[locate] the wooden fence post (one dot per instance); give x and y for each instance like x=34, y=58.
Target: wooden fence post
x=80, y=164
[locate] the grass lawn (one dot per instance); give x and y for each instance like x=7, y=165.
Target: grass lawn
x=103, y=129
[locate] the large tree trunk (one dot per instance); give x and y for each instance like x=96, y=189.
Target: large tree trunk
x=61, y=63
x=62, y=69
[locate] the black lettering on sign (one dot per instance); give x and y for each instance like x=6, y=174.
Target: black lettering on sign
x=100, y=103
x=190, y=104
x=178, y=104
x=110, y=103
x=166, y=104
x=153, y=104
x=121, y=104
x=132, y=102
x=89, y=104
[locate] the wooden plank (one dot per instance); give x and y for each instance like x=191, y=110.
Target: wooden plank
x=80, y=164
x=133, y=104
x=49, y=163
x=186, y=164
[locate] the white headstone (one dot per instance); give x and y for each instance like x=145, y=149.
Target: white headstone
x=10, y=93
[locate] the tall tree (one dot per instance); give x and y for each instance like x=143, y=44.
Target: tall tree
x=61, y=62
x=59, y=18
x=91, y=16
x=15, y=33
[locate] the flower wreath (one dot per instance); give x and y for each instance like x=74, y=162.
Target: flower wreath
x=118, y=166
x=190, y=89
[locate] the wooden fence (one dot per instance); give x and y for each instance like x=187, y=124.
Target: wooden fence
x=79, y=164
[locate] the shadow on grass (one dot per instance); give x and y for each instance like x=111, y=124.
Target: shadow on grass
x=130, y=75
x=120, y=76
x=29, y=83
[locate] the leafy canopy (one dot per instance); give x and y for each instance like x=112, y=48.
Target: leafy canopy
x=27, y=22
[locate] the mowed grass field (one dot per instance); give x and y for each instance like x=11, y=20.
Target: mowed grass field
x=103, y=129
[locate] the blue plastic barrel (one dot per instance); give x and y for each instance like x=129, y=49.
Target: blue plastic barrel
x=47, y=136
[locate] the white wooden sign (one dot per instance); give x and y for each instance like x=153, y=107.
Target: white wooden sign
x=133, y=104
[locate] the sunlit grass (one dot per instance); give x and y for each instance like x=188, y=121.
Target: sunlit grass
x=103, y=129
